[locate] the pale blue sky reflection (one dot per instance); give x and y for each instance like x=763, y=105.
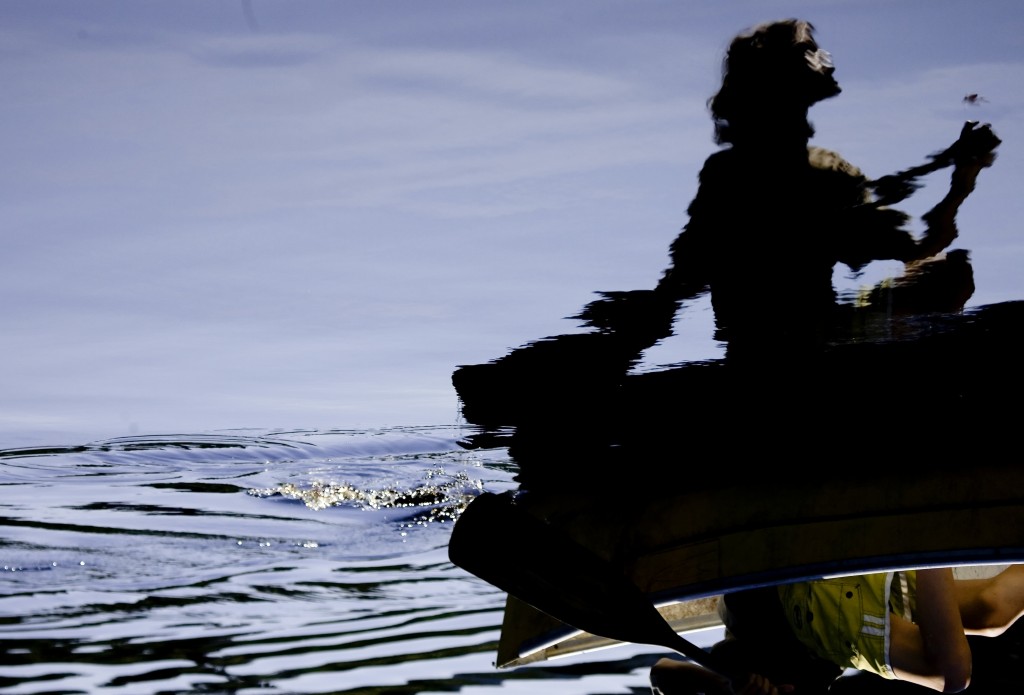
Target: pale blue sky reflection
x=273, y=215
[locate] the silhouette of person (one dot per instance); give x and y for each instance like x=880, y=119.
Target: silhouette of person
x=771, y=219
x=773, y=216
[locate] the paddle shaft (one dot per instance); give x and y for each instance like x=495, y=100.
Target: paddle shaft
x=556, y=575
x=974, y=140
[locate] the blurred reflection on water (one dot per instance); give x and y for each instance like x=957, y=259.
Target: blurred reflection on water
x=298, y=562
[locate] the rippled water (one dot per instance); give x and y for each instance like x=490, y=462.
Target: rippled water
x=236, y=562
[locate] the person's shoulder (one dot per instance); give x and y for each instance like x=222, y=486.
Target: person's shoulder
x=719, y=164
x=830, y=160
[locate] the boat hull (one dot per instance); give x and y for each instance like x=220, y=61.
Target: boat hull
x=889, y=452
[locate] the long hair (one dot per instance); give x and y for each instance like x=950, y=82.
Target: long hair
x=761, y=82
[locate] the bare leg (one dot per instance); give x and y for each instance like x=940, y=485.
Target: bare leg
x=990, y=606
x=934, y=652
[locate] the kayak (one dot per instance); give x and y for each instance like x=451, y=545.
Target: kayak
x=695, y=544
x=885, y=452
x=530, y=636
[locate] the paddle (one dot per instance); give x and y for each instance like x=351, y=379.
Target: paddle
x=975, y=140
x=548, y=570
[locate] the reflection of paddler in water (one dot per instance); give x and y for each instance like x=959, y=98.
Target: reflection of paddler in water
x=770, y=221
x=772, y=217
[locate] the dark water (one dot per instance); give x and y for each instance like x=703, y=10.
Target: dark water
x=271, y=562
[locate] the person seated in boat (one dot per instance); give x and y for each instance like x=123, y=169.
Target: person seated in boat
x=902, y=626
x=773, y=216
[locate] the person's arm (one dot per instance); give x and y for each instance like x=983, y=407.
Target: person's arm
x=972, y=152
x=934, y=652
x=873, y=231
x=643, y=317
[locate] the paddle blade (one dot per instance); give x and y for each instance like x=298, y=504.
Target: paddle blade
x=548, y=570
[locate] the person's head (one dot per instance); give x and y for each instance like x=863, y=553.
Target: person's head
x=775, y=70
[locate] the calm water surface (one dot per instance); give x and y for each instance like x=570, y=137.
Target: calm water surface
x=243, y=561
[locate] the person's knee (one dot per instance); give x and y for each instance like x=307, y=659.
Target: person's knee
x=957, y=674
x=1001, y=602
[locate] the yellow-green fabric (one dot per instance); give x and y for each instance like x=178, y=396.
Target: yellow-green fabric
x=846, y=619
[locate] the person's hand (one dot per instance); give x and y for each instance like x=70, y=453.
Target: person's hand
x=973, y=151
x=977, y=144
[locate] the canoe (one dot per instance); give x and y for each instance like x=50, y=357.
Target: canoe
x=530, y=636
x=696, y=544
x=891, y=452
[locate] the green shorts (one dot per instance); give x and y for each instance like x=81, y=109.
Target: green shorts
x=846, y=619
